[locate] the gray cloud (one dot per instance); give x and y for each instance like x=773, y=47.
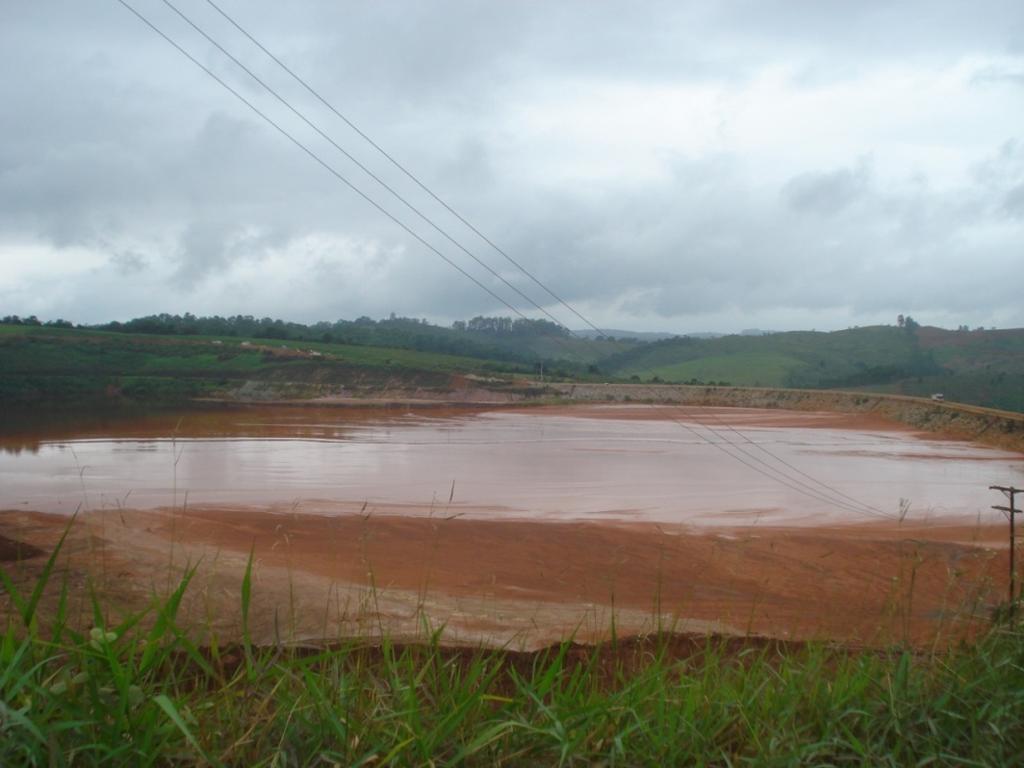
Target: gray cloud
x=826, y=193
x=998, y=75
x=673, y=164
x=129, y=262
x=1014, y=203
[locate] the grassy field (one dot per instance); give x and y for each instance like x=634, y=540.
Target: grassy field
x=134, y=690
x=31, y=349
x=781, y=359
x=523, y=341
x=47, y=364
x=759, y=369
x=72, y=366
x=977, y=367
x=1002, y=390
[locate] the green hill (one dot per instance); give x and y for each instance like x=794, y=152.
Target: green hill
x=489, y=338
x=794, y=359
x=54, y=366
x=165, y=356
x=979, y=367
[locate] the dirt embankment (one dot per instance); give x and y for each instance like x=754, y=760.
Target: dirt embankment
x=1001, y=429
x=380, y=388
x=525, y=584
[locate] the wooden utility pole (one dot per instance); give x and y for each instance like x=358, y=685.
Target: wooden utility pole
x=1011, y=512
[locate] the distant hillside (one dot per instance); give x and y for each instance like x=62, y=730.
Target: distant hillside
x=976, y=367
x=57, y=367
x=528, y=342
x=661, y=336
x=980, y=367
x=618, y=333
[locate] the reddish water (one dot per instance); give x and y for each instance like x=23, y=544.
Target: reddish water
x=693, y=466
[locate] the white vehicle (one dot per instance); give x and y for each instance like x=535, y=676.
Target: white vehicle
x=938, y=397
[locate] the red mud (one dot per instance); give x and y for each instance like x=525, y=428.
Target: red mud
x=529, y=583
x=718, y=417
x=702, y=467
x=505, y=568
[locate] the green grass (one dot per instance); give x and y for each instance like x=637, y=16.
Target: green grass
x=802, y=358
x=982, y=368
x=68, y=368
x=743, y=369
x=33, y=349
x=999, y=390
x=136, y=692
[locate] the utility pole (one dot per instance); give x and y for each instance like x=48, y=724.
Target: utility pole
x=1011, y=512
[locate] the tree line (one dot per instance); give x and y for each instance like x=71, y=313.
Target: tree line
x=496, y=338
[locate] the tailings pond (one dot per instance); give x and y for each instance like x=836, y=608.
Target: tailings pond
x=667, y=465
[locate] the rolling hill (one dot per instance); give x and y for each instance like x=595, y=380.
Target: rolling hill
x=189, y=358
x=978, y=367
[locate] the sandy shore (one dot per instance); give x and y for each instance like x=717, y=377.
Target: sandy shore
x=524, y=583
x=721, y=418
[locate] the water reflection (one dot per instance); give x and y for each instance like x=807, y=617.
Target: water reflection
x=537, y=463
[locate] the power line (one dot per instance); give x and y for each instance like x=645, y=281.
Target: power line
x=857, y=507
x=401, y=167
x=778, y=476
x=799, y=471
x=327, y=166
x=362, y=167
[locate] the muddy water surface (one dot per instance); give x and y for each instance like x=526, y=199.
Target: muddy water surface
x=692, y=466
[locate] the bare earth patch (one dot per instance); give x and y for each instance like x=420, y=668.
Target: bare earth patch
x=525, y=583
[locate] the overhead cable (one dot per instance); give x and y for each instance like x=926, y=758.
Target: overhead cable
x=856, y=506
x=361, y=166
x=797, y=470
x=327, y=166
x=316, y=94
x=774, y=473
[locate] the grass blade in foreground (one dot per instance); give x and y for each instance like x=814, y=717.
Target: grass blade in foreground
x=152, y=697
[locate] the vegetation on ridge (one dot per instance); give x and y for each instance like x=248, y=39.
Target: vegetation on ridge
x=49, y=365
x=166, y=354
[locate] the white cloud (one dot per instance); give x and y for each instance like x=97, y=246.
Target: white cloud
x=682, y=166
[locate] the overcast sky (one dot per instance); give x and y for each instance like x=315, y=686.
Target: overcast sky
x=661, y=166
